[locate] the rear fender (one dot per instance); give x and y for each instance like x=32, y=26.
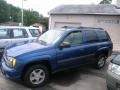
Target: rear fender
x=103, y=50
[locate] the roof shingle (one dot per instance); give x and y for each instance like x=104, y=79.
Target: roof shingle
x=102, y=9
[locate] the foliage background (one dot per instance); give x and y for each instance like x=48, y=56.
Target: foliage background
x=9, y=12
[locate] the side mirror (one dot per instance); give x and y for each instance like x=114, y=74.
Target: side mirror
x=65, y=45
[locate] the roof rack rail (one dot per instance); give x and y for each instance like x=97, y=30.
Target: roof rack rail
x=68, y=27
x=89, y=28
x=81, y=27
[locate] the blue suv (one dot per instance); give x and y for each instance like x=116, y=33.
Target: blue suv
x=54, y=51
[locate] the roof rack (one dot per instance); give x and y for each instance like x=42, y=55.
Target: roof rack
x=81, y=27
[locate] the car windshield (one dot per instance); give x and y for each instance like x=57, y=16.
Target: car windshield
x=50, y=37
x=116, y=60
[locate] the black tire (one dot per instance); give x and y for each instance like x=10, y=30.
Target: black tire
x=29, y=72
x=108, y=88
x=100, y=58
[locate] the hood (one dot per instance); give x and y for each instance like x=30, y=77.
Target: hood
x=17, y=50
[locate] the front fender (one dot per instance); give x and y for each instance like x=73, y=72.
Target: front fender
x=27, y=60
x=37, y=58
x=30, y=59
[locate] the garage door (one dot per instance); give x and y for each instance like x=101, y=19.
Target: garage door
x=70, y=24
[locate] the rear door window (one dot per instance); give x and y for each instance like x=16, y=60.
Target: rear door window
x=35, y=32
x=4, y=34
x=19, y=33
x=91, y=36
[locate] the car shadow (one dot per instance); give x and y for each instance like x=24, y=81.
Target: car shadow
x=67, y=77
x=64, y=78
x=70, y=77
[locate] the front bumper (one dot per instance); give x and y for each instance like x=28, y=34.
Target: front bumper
x=10, y=73
x=113, y=81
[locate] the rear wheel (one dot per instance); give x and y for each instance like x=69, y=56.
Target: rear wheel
x=101, y=61
x=36, y=76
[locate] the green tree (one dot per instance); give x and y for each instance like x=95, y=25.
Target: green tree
x=106, y=2
x=4, y=16
x=13, y=13
x=44, y=21
x=31, y=17
x=9, y=12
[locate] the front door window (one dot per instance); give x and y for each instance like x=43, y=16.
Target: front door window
x=74, y=38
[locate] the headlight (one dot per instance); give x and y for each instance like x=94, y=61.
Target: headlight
x=114, y=68
x=11, y=62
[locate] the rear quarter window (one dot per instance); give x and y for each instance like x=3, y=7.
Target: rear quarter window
x=103, y=36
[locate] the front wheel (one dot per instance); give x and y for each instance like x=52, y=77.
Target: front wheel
x=101, y=61
x=36, y=75
x=108, y=88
